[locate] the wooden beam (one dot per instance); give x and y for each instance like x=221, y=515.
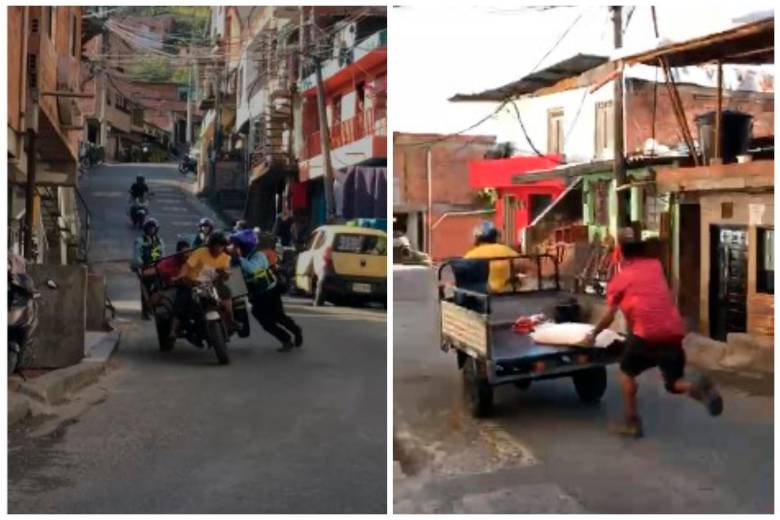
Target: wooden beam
x=719, y=110
x=65, y=93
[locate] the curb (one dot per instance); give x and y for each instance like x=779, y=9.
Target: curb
x=19, y=407
x=738, y=352
x=56, y=386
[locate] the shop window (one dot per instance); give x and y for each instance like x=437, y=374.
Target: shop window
x=765, y=261
x=600, y=202
x=555, y=134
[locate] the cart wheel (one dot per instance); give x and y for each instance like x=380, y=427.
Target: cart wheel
x=590, y=384
x=477, y=391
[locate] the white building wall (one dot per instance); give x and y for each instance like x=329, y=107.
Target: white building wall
x=348, y=105
x=580, y=130
x=579, y=116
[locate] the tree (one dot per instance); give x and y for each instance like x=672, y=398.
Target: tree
x=152, y=68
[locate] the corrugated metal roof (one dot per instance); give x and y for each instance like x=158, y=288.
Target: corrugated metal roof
x=751, y=43
x=540, y=79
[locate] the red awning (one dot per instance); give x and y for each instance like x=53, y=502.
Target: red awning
x=498, y=173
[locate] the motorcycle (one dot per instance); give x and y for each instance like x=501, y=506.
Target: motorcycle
x=139, y=210
x=203, y=324
x=22, y=315
x=188, y=164
x=91, y=155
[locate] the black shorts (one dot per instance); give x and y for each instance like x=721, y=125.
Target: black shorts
x=641, y=355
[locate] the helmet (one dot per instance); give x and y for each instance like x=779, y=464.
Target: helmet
x=245, y=239
x=217, y=239
x=205, y=221
x=486, y=232
x=151, y=222
x=140, y=179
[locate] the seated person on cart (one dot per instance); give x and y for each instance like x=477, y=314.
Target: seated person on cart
x=486, y=246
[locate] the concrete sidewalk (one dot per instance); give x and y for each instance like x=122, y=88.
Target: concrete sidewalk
x=36, y=396
x=740, y=352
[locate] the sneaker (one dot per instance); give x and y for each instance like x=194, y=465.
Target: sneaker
x=704, y=391
x=285, y=347
x=629, y=428
x=298, y=339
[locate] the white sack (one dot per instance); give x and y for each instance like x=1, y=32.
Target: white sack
x=571, y=334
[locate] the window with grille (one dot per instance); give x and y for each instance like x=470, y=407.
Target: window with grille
x=138, y=116
x=600, y=201
x=34, y=24
x=555, y=132
x=765, y=261
x=32, y=69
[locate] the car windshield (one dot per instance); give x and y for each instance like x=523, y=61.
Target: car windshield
x=361, y=244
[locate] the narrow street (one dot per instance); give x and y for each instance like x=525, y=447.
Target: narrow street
x=543, y=451
x=296, y=432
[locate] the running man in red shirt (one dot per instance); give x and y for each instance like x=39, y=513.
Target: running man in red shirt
x=640, y=292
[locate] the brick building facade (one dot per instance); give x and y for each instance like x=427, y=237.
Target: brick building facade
x=455, y=208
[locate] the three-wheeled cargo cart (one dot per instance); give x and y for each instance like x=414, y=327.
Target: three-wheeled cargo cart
x=478, y=325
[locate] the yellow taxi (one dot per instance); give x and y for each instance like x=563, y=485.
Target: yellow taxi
x=344, y=265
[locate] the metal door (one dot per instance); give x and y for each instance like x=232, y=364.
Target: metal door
x=728, y=281
x=510, y=214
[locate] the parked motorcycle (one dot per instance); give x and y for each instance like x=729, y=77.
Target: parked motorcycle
x=203, y=324
x=188, y=164
x=91, y=155
x=22, y=314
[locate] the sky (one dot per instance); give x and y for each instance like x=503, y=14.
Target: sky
x=438, y=52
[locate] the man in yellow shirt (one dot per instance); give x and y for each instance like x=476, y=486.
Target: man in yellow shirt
x=212, y=264
x=486, y=246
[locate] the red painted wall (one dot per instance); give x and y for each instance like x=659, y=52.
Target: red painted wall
x=498, y=173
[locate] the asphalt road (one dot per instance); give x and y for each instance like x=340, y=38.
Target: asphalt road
x=544, y=452
x=296, y=432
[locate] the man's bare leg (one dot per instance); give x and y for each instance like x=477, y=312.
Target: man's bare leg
x=702, y=390
x=632, y=427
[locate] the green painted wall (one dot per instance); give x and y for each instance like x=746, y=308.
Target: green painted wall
x=636, y=202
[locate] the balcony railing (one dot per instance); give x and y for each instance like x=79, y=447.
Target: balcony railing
x=366, y=123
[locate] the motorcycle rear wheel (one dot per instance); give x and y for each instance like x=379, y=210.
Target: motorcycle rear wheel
x=164, y=338
x=217, y=340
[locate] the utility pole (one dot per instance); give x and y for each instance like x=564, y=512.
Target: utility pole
x=217, y=146
x=188, y=139
x=619, y=162
x=330, y=199
x=330, y=202
x=29, y=202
